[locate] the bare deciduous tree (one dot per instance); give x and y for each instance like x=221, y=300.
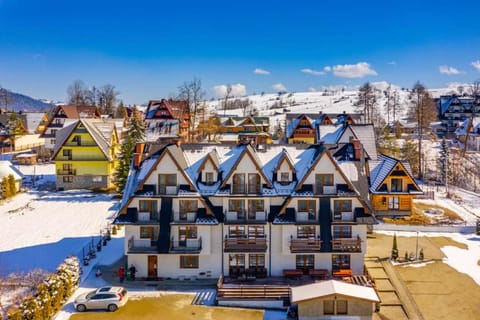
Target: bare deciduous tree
x=193, y=94
x=107, y=97
x=77, y=93
x=367, y=101
x=423, y=111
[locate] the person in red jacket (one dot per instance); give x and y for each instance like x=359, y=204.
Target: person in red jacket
x=121, y=274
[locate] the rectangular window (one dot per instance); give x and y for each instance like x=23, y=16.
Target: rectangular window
x=254, y=206
x=189, y=262
x=52, y=141
x=186, y=206
x=67, y=179
x=236, y=205
x=236, y=232
x=340, y=261
x=187, y=232
x=342, y=206
x=394, y=203
x=396, y=185
x=209, y=178
x=305, y=232
x=253, y=183
x=67, y=168
x=284, y=177
x=306, y=206
x=341, y=232
x=328, y=306
x=239, y=183
x=322, y=180
x=97, y=179
x=256, y=260
x=342, y=307
x=255, y=232
x=67, y=153
x=146, y=233
x=166, y=180
x=149, y=206
x=305, y=261
x=236, y=260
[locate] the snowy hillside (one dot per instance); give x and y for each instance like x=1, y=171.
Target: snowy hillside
x=275, y=105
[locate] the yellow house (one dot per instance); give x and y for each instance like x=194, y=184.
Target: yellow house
x=85, y=155
x=392, y=186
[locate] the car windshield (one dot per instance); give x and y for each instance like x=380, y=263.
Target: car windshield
x=90, y=295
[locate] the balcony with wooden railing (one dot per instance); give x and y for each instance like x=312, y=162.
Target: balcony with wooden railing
x=299, y=245
x=347, y=245
x=245, y=244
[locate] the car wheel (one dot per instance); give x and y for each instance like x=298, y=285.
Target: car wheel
x=81, y=308
x=112, y=307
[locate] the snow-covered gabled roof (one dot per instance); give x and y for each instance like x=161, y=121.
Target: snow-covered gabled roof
x=228, y=167
x=294, y=124
x=333, y=287
x=100, y=130
x=380, y=169
x=329, y=134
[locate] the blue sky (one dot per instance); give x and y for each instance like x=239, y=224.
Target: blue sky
x=148, y=48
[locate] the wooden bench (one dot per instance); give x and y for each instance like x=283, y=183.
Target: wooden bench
x=292, y=273
x=342, y=273
x=318, y=273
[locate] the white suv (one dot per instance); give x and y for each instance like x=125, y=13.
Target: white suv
x=110, y=298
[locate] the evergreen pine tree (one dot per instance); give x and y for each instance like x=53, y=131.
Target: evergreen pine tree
x=136, y=129
x=443, y=159
x=409, y=152
x=394, y=248
x=136, y=133
x=125, y=157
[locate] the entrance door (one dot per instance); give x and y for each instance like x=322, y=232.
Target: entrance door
x=152, y=266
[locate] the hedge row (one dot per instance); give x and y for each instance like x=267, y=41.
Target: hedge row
x=51, y=294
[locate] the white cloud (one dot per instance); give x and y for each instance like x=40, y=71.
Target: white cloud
x=393, y=63
x=359, y=70
x=237, y=90
x=312, y=89
x=279, y=87
x=327, y=69
x=261, y=71
x=448, y=70
x=313, y=72
x=476, y=65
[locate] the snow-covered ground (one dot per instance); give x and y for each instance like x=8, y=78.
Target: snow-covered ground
x=41, y=228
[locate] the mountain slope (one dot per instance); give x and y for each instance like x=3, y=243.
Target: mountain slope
x=19, y=102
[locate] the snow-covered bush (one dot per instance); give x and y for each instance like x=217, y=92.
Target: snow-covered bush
x=51, y=294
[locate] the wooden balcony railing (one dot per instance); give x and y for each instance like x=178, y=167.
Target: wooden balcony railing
x=305, y=245
x=347, y=245
x=245, y=245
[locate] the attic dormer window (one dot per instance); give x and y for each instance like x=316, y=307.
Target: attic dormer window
x=209, y=178
x=284, y=177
